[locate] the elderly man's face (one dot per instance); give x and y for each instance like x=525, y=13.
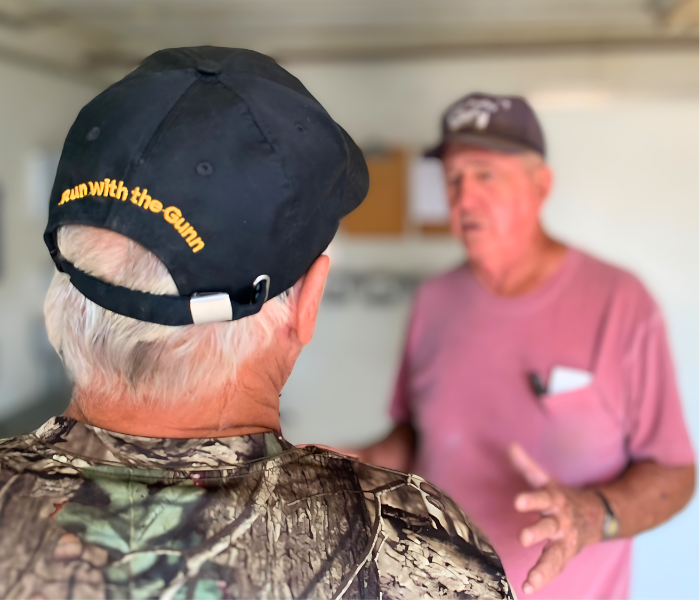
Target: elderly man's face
x=495, y=199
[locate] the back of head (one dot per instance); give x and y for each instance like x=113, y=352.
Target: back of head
x=190, y=197
x=112, y=356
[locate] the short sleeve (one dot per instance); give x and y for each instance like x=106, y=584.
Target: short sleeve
x=656, y=427
x=400, y=409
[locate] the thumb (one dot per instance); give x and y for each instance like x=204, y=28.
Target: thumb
x=524, y=464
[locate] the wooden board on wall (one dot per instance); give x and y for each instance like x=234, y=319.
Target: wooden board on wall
x=442, y=229
x=384, y=209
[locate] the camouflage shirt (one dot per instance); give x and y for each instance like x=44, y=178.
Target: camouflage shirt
x=89, y=513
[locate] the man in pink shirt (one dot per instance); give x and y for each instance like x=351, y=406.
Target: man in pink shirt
x=536, y=387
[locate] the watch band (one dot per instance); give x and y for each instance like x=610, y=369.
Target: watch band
x=611, y=524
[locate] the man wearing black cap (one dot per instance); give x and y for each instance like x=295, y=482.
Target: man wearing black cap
x=191, y=207
x=533, y=349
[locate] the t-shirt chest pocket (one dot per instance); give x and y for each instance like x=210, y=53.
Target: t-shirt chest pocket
x=581, y=438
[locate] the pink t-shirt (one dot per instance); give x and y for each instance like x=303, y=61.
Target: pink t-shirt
x=463, y=384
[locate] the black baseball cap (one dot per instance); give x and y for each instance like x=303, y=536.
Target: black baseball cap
x=502, y=123
x=219, y=162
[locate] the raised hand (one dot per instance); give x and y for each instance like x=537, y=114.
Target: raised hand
x=571, y=519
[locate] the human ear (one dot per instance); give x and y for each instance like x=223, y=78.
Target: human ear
x=308, y=299
x=546, y=180
x=543, y=181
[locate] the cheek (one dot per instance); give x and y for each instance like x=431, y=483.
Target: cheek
x=512, y=211
x=503, y=217
x=456, y=221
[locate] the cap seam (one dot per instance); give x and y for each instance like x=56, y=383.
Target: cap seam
x=255, y=122
x=136, y=161
x=160, y=130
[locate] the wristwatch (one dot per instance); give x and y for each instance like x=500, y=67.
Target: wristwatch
x=611, y=524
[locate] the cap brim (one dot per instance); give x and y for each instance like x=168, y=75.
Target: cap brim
x=480, y=140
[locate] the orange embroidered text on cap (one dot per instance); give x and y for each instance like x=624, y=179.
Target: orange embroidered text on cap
x=110, y=188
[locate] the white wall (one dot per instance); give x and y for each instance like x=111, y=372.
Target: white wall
x=622, y=131
x=36, y=111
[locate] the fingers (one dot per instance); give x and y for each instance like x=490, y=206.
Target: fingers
x=544, y=529
x=540, y=500
x=556, y=525
x=535, y=475
x=547, y=568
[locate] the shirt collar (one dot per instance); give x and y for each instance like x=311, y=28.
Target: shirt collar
x=97, y=445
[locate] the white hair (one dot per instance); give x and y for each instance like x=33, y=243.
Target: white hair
x=531, y=160
x=113, y=356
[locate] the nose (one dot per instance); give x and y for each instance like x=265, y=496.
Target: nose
x=468, y=197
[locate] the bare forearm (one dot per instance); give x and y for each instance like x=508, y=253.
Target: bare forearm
x=647, y=494
x=644, y=496
x=396, y=451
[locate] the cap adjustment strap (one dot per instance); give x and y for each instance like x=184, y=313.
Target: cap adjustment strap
x=164, y=310
x=210, y=308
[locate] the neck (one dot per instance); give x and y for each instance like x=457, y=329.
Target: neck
x=522, y=270
x=251, y=405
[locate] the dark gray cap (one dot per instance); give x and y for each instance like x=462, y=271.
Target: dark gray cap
x=502, y=123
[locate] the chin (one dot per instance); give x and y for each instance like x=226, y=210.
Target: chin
x=476, y=248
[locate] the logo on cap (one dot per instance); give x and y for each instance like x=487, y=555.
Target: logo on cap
x=110, y=188
x=475, y=113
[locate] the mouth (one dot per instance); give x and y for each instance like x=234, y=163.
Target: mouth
x=470, y=227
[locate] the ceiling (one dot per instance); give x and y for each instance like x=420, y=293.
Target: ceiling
x=94, y=38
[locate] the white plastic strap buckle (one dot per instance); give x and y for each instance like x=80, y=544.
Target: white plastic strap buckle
x=210, y=307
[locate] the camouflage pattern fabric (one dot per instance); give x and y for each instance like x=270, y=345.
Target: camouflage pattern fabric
x=88, y=513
